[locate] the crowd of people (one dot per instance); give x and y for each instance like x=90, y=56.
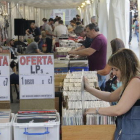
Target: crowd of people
x=123, y=66
x=134, y=22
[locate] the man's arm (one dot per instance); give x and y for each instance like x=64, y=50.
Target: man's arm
x=80, y=48
x=47, y=33
x=105, y=71
x=83, y=52
x=38, y=51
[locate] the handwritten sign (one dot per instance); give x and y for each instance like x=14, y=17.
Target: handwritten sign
x=36, y=76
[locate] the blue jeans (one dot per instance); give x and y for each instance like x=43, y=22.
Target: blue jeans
x=101, y=80
x=137, y=34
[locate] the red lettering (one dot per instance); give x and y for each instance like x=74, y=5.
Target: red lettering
x=33, y=60
x=5, y=62
x=1, y=57
x=50, y=60
x=22, y=60
x=28, y=60
x=39, y=60
x=44, y=58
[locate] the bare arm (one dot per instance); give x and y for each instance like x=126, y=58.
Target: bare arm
x=80, y=48
x=129, y=98
x=106, y=96
x=83, y=52
x=105, y=71
x=38, y=51
x=47, y=33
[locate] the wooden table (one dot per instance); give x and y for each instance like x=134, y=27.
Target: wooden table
x=88, y=132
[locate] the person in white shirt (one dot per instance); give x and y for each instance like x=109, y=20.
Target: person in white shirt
x=72, y=26
x=60, y=29
x=133, y=12
x=57, y=22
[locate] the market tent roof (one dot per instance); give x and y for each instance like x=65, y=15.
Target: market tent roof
x=50, y=4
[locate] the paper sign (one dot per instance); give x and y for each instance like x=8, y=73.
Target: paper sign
x=36, y=76
x=4, y=78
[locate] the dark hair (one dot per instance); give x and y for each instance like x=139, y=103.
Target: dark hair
x=59, y=18
x=51, y=19
x=60, y=21
x=77, y=15
x=92, y=26
x=44, y=19
x=36, y=39
x=116, y=44
x=72, y=21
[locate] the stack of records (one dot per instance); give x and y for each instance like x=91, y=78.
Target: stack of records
x=36, y=116
x=5, y=116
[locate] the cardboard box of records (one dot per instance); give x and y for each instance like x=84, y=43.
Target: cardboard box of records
x=75, y=101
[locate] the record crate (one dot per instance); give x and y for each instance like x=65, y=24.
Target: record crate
x=6, y=130
x=37, y=131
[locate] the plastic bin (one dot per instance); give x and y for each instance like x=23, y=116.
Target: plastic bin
x=37, y=131
x=61, y=70
x=78, y=69
x=6, y=130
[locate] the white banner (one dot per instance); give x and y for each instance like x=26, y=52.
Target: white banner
x=4, y=78
x=36, y=76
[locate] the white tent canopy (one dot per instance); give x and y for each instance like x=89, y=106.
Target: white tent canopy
x=50, y=4
x=112, y=15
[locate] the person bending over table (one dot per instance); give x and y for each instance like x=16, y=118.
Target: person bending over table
x=96, y=53
x=33, y=47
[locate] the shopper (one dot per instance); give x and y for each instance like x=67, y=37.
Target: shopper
x=132, y=10
x=49, y=35
x=34, y=30
x=42, y=43
x=43, y=26
x=137, y=29
x=78, y=18
x=116, y=44
x=94, y=20
x=10, y=44
x=127, y=69
x=96, y=52
x=14, y=77
x=60, y=29
x=72, y=26
x=33, y=47
x=80, y=31
x=57, y=22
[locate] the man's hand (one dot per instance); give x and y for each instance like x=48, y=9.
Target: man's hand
x=71, y=52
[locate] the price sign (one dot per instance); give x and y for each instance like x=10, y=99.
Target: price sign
x=36, y=76
x=4, y=78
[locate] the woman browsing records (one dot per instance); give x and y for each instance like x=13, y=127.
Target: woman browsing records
x=126, y=67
